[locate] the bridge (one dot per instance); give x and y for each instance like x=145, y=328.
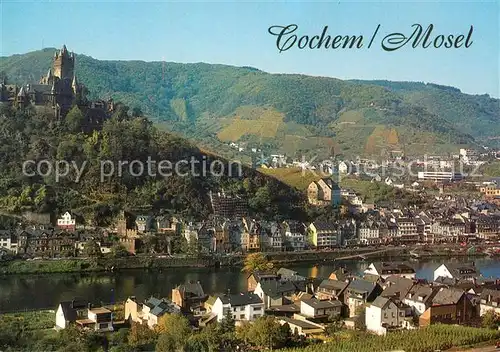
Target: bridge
x=365, y=255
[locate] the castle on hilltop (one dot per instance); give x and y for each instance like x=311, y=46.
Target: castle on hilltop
x=57, y=92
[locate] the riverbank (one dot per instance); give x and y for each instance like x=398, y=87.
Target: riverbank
x=108, y=264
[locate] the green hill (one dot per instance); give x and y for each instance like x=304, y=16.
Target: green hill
x=104, y=172
x=295, y=114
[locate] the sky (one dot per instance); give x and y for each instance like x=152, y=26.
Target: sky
x=236, y=33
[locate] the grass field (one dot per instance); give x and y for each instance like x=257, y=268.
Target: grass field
x=294, y=177
x=37, y=320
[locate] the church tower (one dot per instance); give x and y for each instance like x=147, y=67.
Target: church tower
x=64, y=64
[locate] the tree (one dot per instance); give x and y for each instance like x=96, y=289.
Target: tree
x=136, y=112
x=261, y=199
x=266, y=331
x=174, y=331
x=256, y=262
x=118, y=251
x=491, y=320
x=166, y=343
x=196, y=343
x=121, y=112
x=140, y=334
x=193, y=246
x=360, y=317
x=228, y=323
x=91, y=249
x=334, y=325
x=75, y=119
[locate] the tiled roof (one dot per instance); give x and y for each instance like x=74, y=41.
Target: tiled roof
x=447, y=296
x=240, y=299
x=422, y=293
x=333, y=285
x=399, y=288
x=362, y=286
x=318, y=304
x=276, y=289
x=69, y=308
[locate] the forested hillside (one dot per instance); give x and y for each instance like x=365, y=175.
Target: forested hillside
x=296, y=114
x=478, y=115
x=26, y=135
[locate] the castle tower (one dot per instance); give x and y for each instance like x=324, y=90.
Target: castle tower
x=64, y=64
x=336, y=191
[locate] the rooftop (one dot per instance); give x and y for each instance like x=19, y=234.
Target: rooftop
x=99, y=310
x=317, y=304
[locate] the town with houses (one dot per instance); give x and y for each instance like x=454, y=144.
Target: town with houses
x=469, y=217
x=386, y=297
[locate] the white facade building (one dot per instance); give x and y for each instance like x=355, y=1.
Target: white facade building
x=66, y=221
x=384, y=314
x=245, y=306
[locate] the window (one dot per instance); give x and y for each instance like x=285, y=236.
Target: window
x=257, y=308
x=401, y=314
x=103, y=326
x=242, y=316
x=385, y=315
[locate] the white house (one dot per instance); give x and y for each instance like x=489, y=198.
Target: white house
x=490, y=300
x=461, y=271
x=245, y=306
x=344, y=167
x=273, y=236
x=388, y=181
x=66, y=222
x=8, y=241
x=315, y=308
x=274, y=292
x=294, y=234
x=385, y=313
x=419, y=298
x=386, y=269
x=369, y=232
x=150, y=311
x=99, y=319
x=69, y=312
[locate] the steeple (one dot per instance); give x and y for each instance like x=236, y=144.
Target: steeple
x=75, y=84
x=22, y=93
x=64, y=51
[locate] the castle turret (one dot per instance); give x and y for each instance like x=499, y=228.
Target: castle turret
x=75, y=85
x=64, y=64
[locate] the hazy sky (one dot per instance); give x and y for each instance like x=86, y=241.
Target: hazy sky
x=237, y=34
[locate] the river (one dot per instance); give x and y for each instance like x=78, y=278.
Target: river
x=20, y=292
